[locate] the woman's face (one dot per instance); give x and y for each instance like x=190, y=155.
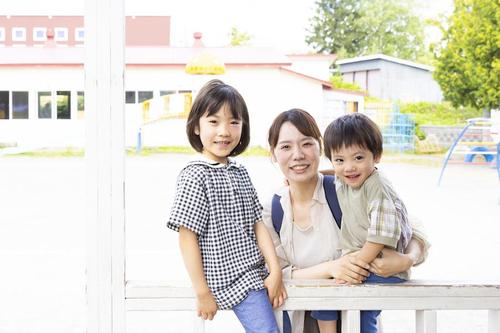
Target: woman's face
x=297, y=155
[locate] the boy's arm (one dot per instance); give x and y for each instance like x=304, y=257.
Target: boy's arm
x=370, y=251
x=191, y=254
x=273, y=282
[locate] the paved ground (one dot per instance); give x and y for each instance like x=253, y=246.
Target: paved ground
x=42, y=238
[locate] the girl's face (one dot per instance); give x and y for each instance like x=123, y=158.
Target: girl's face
x=219, y=134
x=297, y=155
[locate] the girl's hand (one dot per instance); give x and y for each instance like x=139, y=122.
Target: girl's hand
x=275, y=289
x=391, y=263
x=349, y=269
x=206, y=306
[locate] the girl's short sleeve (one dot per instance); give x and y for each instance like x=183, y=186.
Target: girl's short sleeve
x=190, y=208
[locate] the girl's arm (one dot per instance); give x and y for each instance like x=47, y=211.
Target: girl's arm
x=273, y=282
x=188, y=241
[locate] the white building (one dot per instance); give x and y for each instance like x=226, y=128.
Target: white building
x=42, y=84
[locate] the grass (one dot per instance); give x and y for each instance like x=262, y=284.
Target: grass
x=66, y=152
x=388, y=157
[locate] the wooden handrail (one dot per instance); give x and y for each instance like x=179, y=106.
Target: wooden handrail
x=422, y=296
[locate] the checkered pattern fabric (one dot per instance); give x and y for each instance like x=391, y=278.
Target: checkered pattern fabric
x=219, y=203
x=374, y=212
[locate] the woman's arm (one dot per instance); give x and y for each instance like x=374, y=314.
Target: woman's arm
x=206, y=305
x=273, y=282
x=393, y=262
x=348, y=268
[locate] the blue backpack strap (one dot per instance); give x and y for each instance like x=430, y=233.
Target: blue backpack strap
x=331, y=198
x=276, y=213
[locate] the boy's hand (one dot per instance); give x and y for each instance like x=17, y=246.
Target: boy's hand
x=206, y=306
x=275, y=289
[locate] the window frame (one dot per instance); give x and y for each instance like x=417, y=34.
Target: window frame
x=56, y=34
x=18, y=39
x=39, y=39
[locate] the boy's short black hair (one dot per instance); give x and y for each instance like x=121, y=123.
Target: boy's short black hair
x=354, y=129
x=214, y=95
x=299, y=118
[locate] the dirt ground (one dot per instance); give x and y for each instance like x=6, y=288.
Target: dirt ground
x=42, y=238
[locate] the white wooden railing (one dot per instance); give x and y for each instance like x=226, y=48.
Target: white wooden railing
x=425, y=297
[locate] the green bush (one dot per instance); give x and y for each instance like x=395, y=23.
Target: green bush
x=439, y=113
x=426, y=113
x=337, y=82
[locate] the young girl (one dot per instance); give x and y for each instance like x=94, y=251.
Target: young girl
x=218, y=216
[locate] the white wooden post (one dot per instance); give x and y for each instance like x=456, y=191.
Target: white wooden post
x=425, y=321
x=104, y=151
x=493, y=321
x=198, y=324
x=351, y=321
x=278, y=314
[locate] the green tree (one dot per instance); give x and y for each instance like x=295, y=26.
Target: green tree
x=238, y=38
x=334, y=28
x=360, y=27
x=468, y=60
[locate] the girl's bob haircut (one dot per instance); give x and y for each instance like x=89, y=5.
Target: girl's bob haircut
x=212, y=97
x=299, y=118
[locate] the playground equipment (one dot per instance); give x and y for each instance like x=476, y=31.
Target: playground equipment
x=479, y=139
x=398, y=129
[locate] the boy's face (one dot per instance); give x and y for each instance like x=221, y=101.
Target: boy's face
x=354, y=164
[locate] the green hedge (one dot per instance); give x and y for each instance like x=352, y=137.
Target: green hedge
x=426, y=113
x=439, y=113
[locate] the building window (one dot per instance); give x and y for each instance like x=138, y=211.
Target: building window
x=61, y=34
x=144, y=95
x=167, y=92
x=176, y=104
x=79, y=34
x=20, y=105
x=18, y=34
x=2, y=34
x=4, y=104
x=44, y=105
x=64, y=105
x=39, y=34
x=130, y=97
x=80, y=104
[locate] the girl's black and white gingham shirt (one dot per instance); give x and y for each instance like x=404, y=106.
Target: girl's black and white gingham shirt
x=219, y=203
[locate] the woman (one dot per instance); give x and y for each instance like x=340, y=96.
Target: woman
x=308, y=240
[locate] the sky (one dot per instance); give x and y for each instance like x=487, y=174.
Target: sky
x=281, y=24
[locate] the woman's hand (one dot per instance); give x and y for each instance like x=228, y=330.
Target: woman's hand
x=275, y=289
x=349, y=269
x=391, y=263
x=206, y=306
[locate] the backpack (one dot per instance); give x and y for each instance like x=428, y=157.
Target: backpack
x=331, y=198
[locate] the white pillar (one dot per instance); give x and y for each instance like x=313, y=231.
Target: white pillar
x=351, y=322
x=104, y=152
x=493, y=321
x=425, y=321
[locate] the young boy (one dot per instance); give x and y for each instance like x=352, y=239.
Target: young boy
x=374, y=216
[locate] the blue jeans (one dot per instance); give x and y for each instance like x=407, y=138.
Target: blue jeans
x=256, y=314
x=316, y=314
x=369, y=318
